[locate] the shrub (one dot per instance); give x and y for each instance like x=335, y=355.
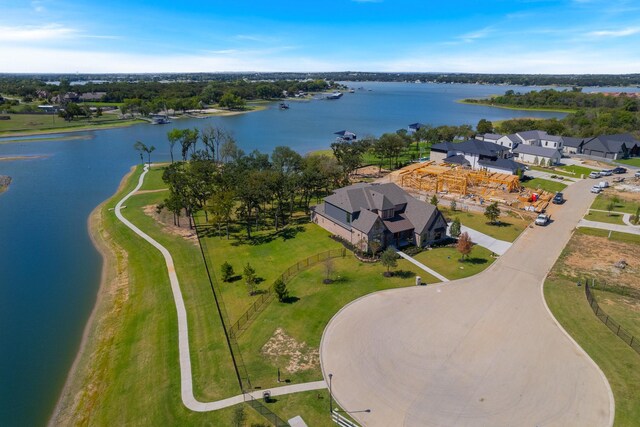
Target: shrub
x=280, y=288
x=227, y=271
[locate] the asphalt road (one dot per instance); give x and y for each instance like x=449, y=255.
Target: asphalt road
x=482, y=351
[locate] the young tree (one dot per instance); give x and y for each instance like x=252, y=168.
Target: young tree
x=250, y=278
x=464, y=245
x=454, y=231
x=142, y=147
x=174, y=135
x=492, y=212
x=434, y=200
x=454, y=205
x=610, y=207
x=389, y=259
x=227, y=271
x=328, y=271
x=374, y=246
x=280, y=288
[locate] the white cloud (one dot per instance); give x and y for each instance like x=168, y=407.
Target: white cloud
x=30, y=33
x=475, y=35
x=625, y=32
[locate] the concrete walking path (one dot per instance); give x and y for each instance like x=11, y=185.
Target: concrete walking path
x=480, y=351
x=630, y=229
x=422, y=266
x=496, y=246
x=186, y=384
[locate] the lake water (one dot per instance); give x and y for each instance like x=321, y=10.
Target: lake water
x=49, y=269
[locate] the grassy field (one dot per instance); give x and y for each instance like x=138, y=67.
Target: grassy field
x=602, y=201
x=446, y=261
x=576, y=170
x=619, y=362
x=613, y=218
x=508, y=229
x=625, y=310
x=635, y=161
x=153, y=179
x=615, y=236
x=544, y=184
x=39, y=123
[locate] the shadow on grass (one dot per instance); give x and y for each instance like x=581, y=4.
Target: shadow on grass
x=290, y=300
x=286, y=233
x=499, y=224
x=403, y=274
x=475, y=261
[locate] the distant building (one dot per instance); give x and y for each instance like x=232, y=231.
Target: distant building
x=92, y=97
x=618, y=146
x=414, y=127
x=473, y=150
x=535, y=154
x=385, y=213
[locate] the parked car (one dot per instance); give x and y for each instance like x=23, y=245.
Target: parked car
x=596, y=189
x=637, y=174
x=594, y=175
x=620, y=170
x=606, y=172
x=542, y=219
x=603, y=184
x=558, y=199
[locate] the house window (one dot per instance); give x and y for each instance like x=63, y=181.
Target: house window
x=348, y=218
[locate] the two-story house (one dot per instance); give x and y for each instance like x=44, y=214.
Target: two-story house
x=385, y=213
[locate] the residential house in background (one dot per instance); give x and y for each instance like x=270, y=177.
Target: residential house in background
x=537, y=155
x=618, y=146
x=572, y=145
x=385, y=213
x=473, y=150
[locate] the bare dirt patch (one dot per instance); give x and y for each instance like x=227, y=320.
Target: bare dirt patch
x=297, y=356
x=165, y=219
x=595, y=257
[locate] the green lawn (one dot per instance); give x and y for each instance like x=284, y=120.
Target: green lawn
x=619, y=362
x=613, y=218
x=544, y=184
x=577, y=171
x=508, y=229
x=446, y=261
x=602, y=201
x=616, y=236
x=624, y=310
x=314, y=304
x=153, y=179
x=552, y=171
x=635, y=161
x=46, y=122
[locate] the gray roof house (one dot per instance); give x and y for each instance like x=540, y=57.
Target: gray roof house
x=616, y=146
x=362, y=213
x=571, y=145
x=535, y=154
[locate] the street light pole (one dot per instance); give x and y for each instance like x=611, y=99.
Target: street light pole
x=330, y=395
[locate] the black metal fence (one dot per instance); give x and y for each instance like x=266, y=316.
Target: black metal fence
x=264, y=411
x=614, y=326
x=263, y=300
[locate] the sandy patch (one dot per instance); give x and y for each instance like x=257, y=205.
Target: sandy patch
x=165, y=219
x=297, y=356
x=595, y=257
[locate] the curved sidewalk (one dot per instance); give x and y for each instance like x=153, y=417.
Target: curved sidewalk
x=186, y=384
x=482, y=351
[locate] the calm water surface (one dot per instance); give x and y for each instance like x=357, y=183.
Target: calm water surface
x=49, y=269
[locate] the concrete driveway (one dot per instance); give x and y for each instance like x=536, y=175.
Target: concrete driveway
x=482, y=351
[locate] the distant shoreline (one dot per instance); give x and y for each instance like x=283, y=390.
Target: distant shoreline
x=125, y=123
x=506, y=107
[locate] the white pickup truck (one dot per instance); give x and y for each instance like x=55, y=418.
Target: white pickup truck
x=542, y=219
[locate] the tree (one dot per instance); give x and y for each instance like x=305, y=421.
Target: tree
x=328, y=271
x=142, y=147
x=454, y=205
x=389, y=259
x=221, y=205
x=610, y=207
x=455, y=229
x=349, y=155
x=636, y=218
x=232, y=101
x=173, y=136
x=227, y=271
x=280, y=288
x=229, y=150
x=434, y=200
x=374, y=246
x=250, y=278
x=492, y=212
x=464, y=245
x=484, y=126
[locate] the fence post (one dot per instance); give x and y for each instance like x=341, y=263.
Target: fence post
x=597, y=309
x=618, y=332
x=606, y=320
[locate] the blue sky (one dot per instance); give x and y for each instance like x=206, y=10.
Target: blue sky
x=490, y=36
